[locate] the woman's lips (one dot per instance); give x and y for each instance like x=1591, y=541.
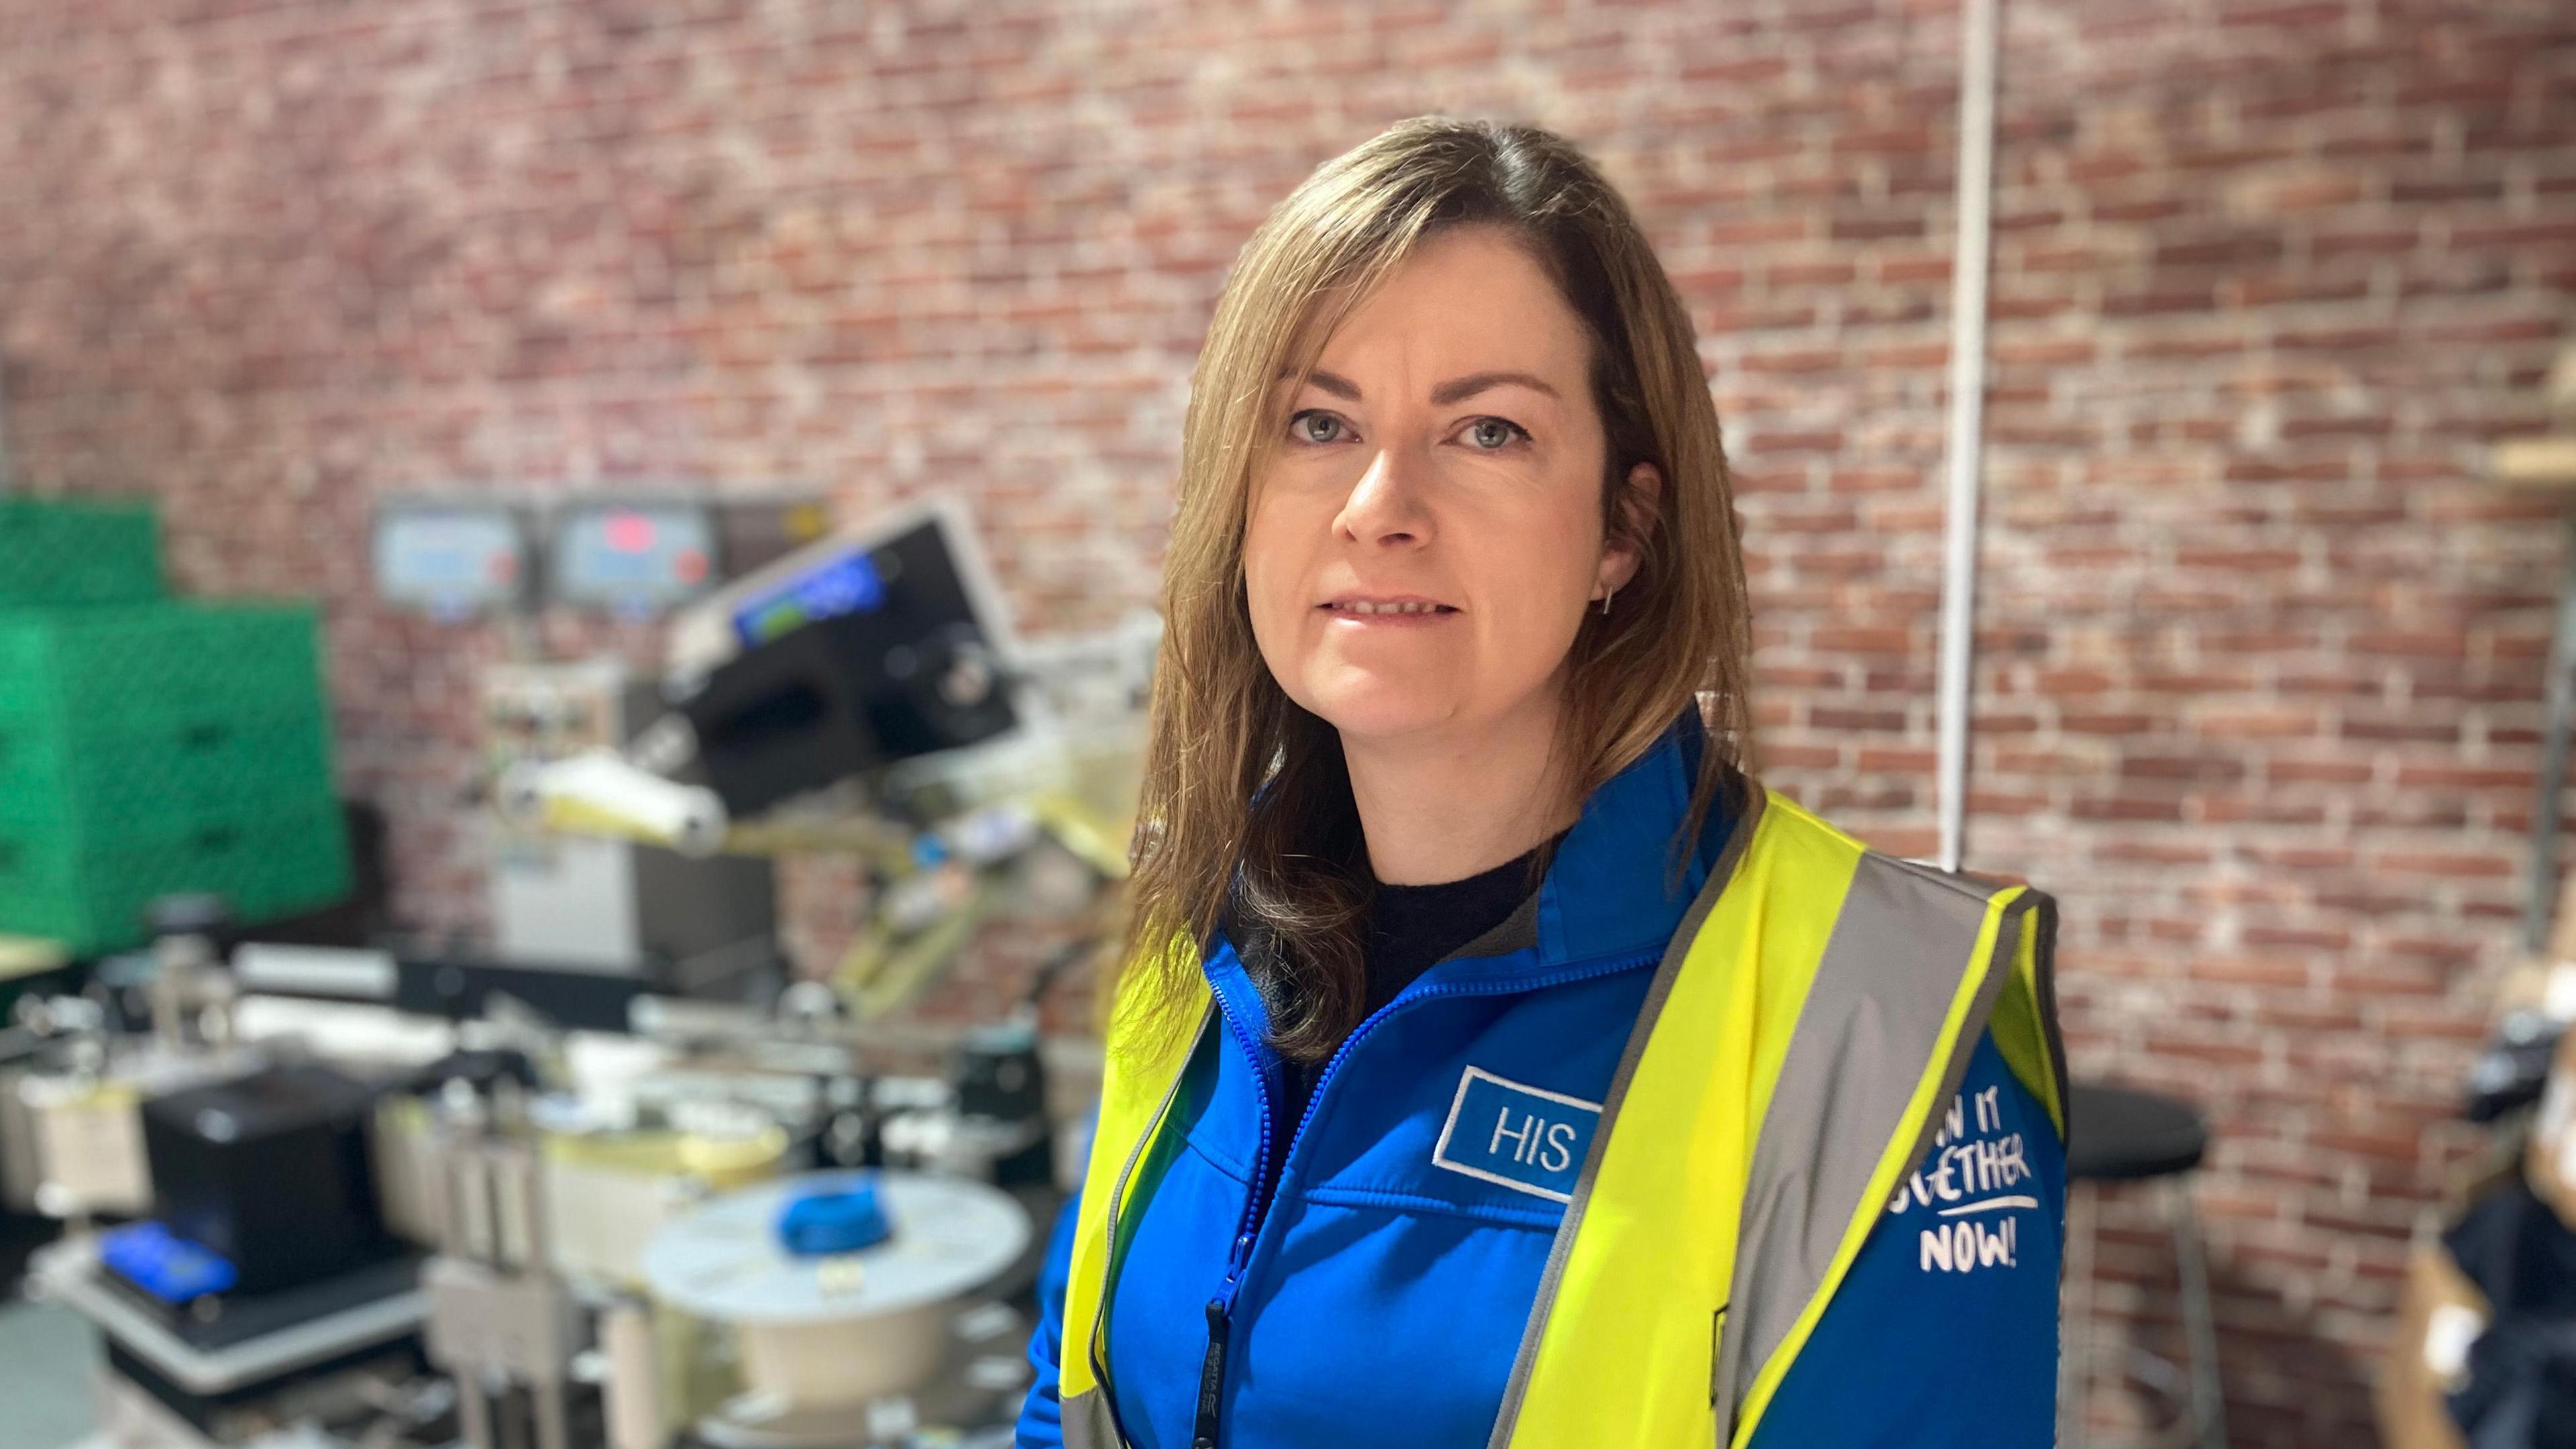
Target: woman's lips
x=1361, y=615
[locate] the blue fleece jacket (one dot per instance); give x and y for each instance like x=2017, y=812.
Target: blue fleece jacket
x=1374, y=1263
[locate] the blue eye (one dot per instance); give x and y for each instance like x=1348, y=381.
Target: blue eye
x=1496, y=434
x=1304, y=426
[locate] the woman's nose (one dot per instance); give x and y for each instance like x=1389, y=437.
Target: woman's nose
x=1385, y=505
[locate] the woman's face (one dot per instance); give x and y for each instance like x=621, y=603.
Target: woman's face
x=1446, y=458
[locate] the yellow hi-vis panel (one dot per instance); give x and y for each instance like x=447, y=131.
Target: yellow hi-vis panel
x=1138, y=1083
x=1660, y=1226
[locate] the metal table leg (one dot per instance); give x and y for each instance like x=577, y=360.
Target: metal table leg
x=2075, y=1318
x=2200, y=1331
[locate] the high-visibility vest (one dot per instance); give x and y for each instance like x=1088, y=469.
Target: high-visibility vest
x=1813, y=1012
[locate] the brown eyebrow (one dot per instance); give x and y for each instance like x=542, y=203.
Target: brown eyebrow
x=1461, y=388
x=1457, y=389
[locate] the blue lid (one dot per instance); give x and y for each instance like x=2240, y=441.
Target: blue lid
x=835, y=1220
x=163, y=1264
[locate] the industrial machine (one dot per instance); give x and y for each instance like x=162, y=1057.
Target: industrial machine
x=691, y=924
x=585, y=1190
x=848, y=1301
x=874, y=646
x=870, y=679
x=373, y=1226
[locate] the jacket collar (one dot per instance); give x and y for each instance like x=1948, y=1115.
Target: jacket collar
x=1604, y=894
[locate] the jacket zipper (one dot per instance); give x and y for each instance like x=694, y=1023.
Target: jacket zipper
x=1220, y=1309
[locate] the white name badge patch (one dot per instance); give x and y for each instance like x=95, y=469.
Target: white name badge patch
x=1521, y=1137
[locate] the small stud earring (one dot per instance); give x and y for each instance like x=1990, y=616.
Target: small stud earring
x=1605, y=602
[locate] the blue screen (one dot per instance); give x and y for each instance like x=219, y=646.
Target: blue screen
x=847, y=584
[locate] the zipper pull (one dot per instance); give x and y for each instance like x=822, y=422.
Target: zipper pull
x=1211, y=1377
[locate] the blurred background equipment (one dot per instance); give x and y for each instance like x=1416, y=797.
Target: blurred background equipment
x=859, y=651
x=642, y=555
x=267, y=1173
x=610, y=1176
x=455, y=557
x=844, y=1294
x=2485, y=1348
x=395, y=1227
x=691, y=922
x=618, y=906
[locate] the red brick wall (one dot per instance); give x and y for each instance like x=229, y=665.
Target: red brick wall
x=2260, y=653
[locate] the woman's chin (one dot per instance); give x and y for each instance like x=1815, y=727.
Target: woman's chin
x=1384, y=712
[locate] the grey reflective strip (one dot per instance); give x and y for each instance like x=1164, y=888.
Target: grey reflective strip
x=1676, y=950
x=1865, y=1037
x=2017, y=918
x=2044, y=918
x=1086, y=1422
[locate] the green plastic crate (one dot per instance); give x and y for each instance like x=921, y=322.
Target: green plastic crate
x=153, y=748
x=57, y=551
x=89, y=891
x=98, y=783
x=122, y=669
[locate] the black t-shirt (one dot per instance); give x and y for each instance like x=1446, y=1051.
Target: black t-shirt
x=1412, y=927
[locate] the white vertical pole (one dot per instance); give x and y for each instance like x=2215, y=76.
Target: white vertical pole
x=1967, y=408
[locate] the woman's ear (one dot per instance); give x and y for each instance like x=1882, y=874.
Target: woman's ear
x=1620, y=554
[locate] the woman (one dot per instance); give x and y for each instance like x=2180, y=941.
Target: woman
x=1496, y=1062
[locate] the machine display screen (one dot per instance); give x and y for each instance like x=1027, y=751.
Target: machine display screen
x=847, y=583
x=450, y=559
x=632, y=557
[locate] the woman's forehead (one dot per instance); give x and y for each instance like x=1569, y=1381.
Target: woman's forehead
x=1467, y=302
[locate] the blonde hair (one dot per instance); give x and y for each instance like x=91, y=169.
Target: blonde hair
x=1246, y=817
